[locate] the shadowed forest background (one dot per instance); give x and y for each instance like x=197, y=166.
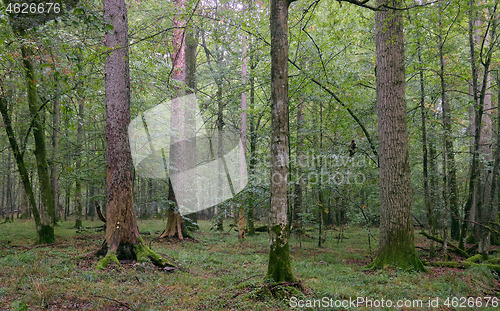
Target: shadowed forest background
x=370, y=131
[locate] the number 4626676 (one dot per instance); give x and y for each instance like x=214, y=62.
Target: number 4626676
x=33, y=8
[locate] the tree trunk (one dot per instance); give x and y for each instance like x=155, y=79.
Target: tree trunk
x=122, y=235
x=121, y=227
x=449, y=155
x=47, y=213
x=56, y=120
x=191, y=48
x=297, y=222
x=431, y=222
x=175, y=223
x=44, y=228
x=253, y=148
x=244, y=65
x=475, y=202
x=396, y=246
x=279, y=267
x=78, y=152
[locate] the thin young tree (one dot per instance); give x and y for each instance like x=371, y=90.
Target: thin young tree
x=279, y=267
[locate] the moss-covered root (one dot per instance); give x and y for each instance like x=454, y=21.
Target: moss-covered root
x=109, y=258
x=402, y=260
x=144, y=254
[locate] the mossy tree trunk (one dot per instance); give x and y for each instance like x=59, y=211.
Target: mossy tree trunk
x=396, y=246
x=279, y=267
x=41, y=227
x=47, y=213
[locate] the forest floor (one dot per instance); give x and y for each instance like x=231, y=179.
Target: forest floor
x=215, y=271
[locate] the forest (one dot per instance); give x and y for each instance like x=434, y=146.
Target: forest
x=249, y=155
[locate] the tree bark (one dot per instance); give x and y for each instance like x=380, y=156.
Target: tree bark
x=279, y=266
x=78, y=152
x=253, y=148
x=396, y=246
x=175, y=223
x=244, y=65
x=47, y=213
x=431, y=221
x=297, y=222
x=449, y=173
x=121, y=227
x=44, y=228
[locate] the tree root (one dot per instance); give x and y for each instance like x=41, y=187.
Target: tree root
x=109, y=258
x=282, y=290
x=142, y=254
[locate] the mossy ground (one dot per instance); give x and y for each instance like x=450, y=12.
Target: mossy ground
x=215, y=272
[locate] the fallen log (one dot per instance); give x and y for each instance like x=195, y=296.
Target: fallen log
x=452, y=247
x=464, y=265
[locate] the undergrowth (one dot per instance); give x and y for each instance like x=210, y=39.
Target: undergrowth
x=215, y=271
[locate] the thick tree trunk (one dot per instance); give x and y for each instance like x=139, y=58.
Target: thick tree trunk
x=396, y=246
x=122, y=234
x=279, y=267
x=121, y=227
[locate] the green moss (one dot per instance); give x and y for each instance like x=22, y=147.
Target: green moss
x=110, y=257
x=46, y=234
x=475, y=258
x=397, y=258
x=144, y=253
x=279, y=268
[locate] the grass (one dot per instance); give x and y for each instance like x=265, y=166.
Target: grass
x=216, y=272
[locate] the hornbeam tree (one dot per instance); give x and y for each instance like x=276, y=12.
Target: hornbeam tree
x=279, y=268
x=396, y=246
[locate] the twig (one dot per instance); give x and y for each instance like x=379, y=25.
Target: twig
x=117, y=301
